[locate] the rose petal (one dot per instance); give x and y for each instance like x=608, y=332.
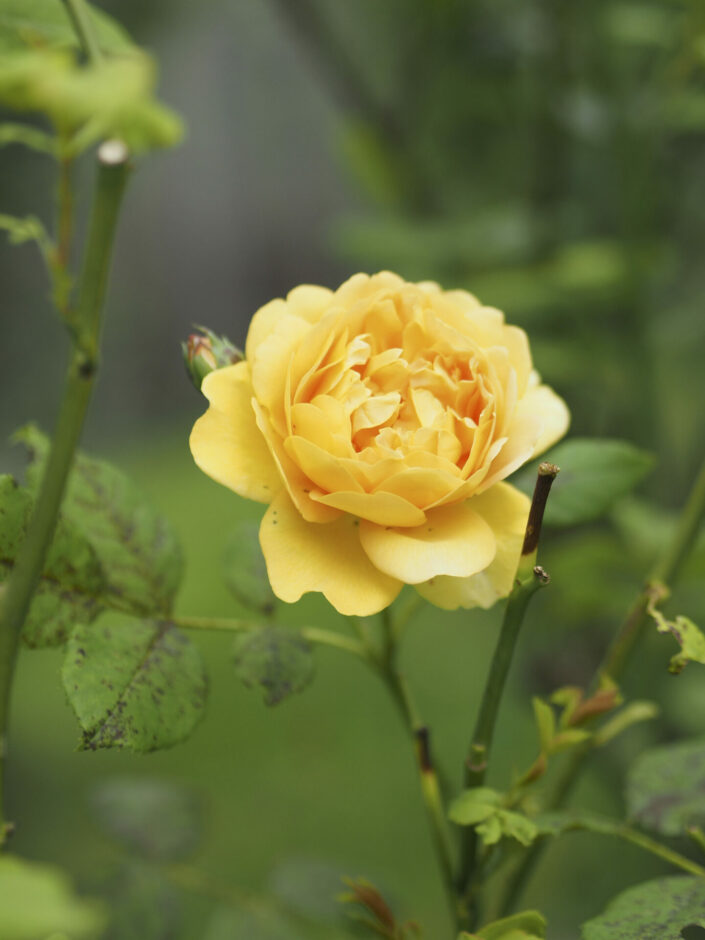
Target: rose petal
x=553, y=413
x=226, y=442
x=298, y=485
x=454, y=540
x=380, y=508
x=506, y=510
x=303, y=556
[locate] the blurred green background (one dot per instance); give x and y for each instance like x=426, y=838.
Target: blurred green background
x=547, y=156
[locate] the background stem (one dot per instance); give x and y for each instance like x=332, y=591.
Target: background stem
x=81, y=20
x=25, y=576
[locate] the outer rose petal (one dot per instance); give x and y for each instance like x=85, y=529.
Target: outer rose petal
x=455, y=540
x=308, y=302
x=506, y=510
x=553, y=411
x=226, y=442
x=306, y=556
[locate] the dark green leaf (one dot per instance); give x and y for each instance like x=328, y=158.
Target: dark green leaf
x=666, y=788
x=27, y=24
x=278, y=660
x=153, y=818
x=594, y=474
x=38, y=902
x=245, y=569
x=72, y=580
x=654, y=910
x=134, y=683
x=136, y=546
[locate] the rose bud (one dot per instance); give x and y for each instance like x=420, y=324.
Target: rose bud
x=205, y=352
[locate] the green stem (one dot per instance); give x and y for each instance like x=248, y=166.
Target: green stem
x=667, y=570
x=312, y=634
x=79, y=383
x=661, y=851
x=529, y=579
x=79, y=13
x=428, y=777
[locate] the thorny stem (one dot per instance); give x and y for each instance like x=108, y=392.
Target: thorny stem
x=666, y=570
x=17, y=595
x=529, y=579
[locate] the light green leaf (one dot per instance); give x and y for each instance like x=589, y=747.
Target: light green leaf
x=474, y=805
x=72, y=580
x=594, y=475
x=246, y=571
x=30, y=23
x=482, y=807
x=28, y=136
x=27, y=229
x=507, y=824
x=134, y=683
x=688, y=636
x=654, y=910
x=666, y=788
x=136, y=546
x=111, y=98
x=278, y=660
x=38, y=902
x=545, y=722
x=156, y=819
x=524, y=926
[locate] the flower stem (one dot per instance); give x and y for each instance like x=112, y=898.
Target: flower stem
x=312, y=634
x=428, y=777
x=666, y=570
x=16, y=598
x=530, y=579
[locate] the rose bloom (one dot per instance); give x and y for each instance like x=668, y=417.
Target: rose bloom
x=378, y=422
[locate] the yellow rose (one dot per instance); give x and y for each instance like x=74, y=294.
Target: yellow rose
x=378, y=421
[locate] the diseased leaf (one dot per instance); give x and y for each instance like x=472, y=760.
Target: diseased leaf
x=137, y=547
x=143, y=904
x=156, y=819
x=28, y=24
x=262, y=924
x=309, y=887
x=246, y=571
x=654, y=910
x=688, y=636
x=278, y=660
x=72, y=580
x=594, y=475
x=666, y=788
x=37, y=901
x=134, y=683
